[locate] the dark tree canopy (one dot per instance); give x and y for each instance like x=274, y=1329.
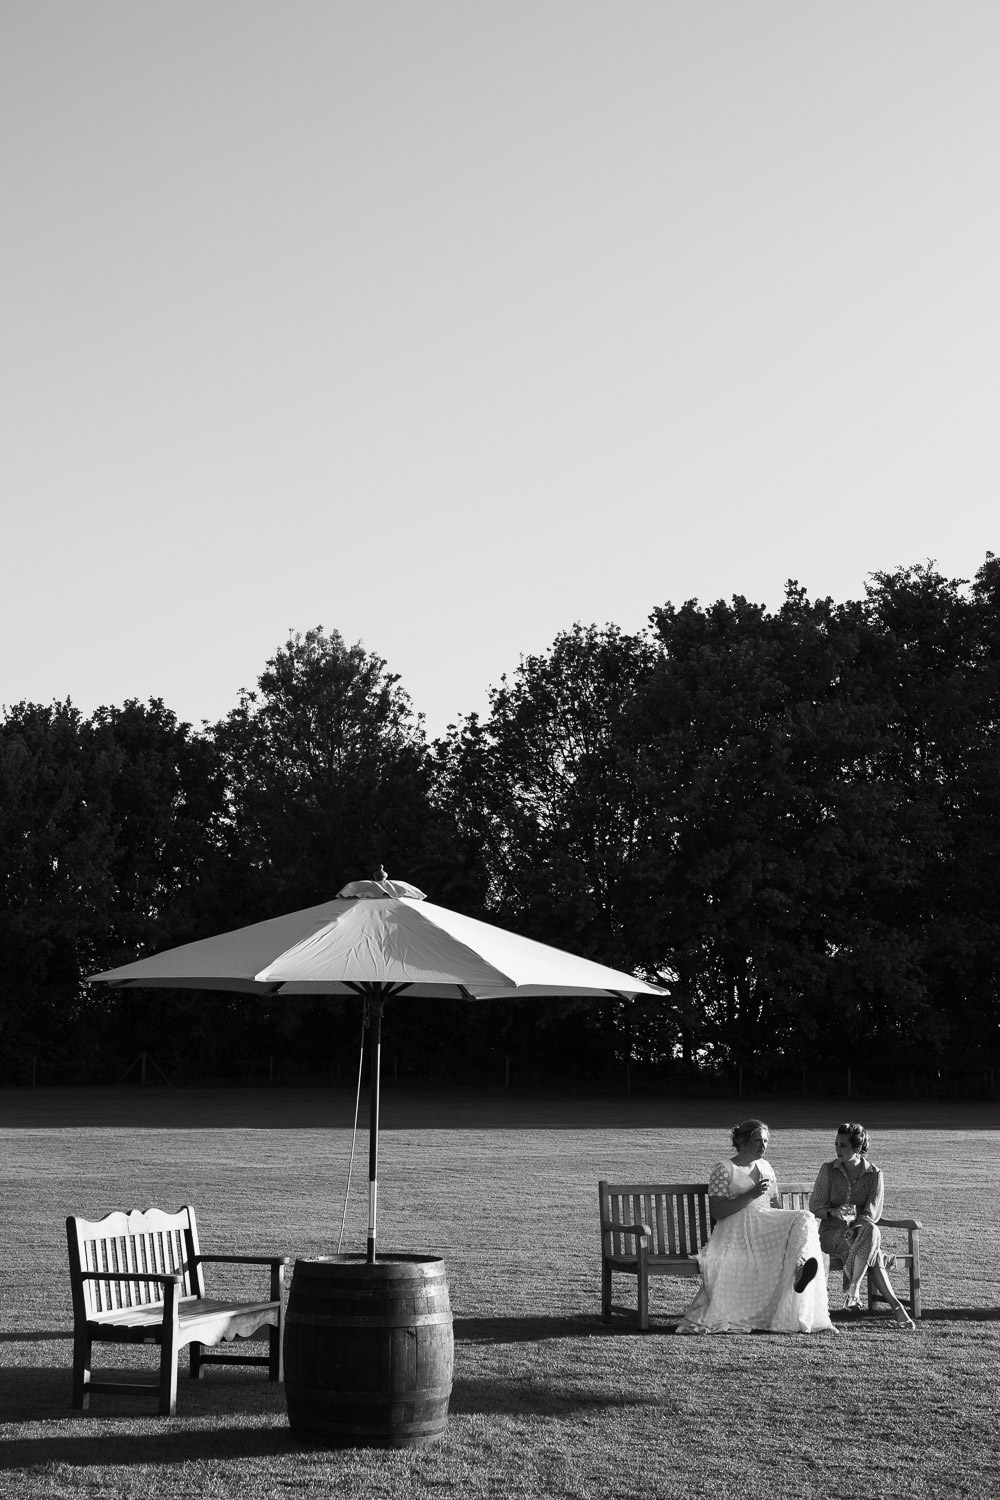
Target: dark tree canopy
x=106, y=825
x=791, y=817
x=327, y=774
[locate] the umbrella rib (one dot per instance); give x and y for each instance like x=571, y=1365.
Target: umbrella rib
x=367, y=987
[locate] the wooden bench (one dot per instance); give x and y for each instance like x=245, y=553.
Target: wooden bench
x=137, y=1278
x=650, y=1229
x=658, y=1229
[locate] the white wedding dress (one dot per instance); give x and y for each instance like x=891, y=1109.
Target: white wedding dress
x=749, y=1264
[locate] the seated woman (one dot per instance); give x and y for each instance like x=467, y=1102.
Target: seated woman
x=759, y=1265
x=847, y=1199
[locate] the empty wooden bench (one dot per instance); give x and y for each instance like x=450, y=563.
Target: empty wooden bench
x=657, y=1229
x=137, y=1278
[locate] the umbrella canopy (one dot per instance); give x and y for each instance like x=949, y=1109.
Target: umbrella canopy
x=377, y=938
x=403, y=943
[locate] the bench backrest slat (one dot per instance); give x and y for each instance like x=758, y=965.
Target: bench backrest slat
x=138, y=1241
x=795, y=1197
x=661, y=1220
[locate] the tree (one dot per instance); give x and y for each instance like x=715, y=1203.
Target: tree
x=941, y=643
x=327, y=775
x=774, y=840
x=165, y=806
x=107, y=827
x=55, y=890
x=552, y=817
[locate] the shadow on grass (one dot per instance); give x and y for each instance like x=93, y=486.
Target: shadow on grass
x=885, y=1319
x=960, y=1315
x=173, y=1446
x=525, y=1397
x=41, y=1396
x=534, y=1329
x=34, y=1393
x=47, y=1335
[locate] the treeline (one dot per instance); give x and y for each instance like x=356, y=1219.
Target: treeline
x=790, y=818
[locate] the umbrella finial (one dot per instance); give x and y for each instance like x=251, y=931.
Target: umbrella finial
x=380, y=885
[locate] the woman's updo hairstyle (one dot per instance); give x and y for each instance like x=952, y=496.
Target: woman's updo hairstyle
x=745, y=1129
x=857, y=1135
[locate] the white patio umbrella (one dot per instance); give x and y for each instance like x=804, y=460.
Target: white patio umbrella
x=379, y=939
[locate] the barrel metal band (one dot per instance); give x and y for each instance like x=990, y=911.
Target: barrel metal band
x=384, y=1320
x=412, y=1397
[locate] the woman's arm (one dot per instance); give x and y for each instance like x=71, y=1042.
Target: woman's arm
x=872, y=1209
x=724, y=1208
x=819, y=1198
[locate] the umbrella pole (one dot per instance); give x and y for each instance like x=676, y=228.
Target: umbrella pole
x=374, y=1053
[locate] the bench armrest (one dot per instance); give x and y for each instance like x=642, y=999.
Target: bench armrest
x=161, y=1278
x=245, y=1260
x=276, y=1264
x=900, y=1224
x=171, y=1282
x=642, y=1230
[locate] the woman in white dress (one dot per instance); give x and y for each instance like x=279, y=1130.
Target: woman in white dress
x=759, y=1266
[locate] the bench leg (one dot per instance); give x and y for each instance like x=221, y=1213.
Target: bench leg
x=605, y=1292
x=275, y=1366
x=643, y=1301
x=170, y=1338
x=81, y=1371
x=915, y=1279
x=168, y=1379
x=276, y=1336
x=195, y=1358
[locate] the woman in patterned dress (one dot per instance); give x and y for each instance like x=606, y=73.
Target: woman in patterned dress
x=847, y=1200
x=759, y=1266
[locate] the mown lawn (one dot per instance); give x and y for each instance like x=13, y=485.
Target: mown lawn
x=546, y=1401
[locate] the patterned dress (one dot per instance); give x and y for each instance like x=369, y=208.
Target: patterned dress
x=848, y=1214
x=748, y=1265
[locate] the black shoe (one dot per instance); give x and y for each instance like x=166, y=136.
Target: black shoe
x=805, y=1273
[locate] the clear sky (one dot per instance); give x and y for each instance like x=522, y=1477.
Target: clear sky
x=448, y=323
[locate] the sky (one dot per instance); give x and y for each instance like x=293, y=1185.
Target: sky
x=446, y=324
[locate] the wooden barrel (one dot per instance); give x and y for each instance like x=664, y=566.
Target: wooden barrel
x=369, y=1350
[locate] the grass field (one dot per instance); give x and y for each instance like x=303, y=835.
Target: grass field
x=546, y=1401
